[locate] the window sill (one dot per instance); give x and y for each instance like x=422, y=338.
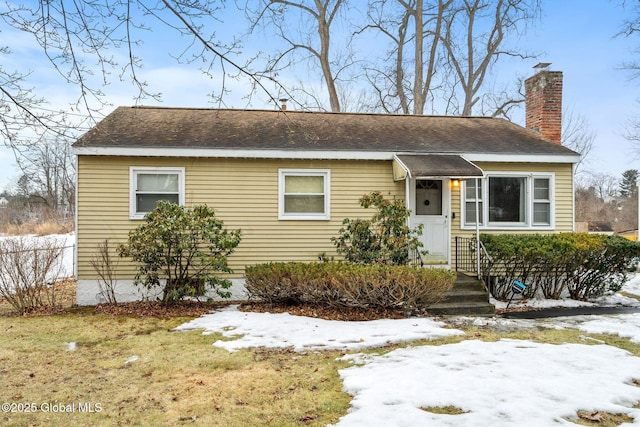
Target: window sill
x=303, y=218
x=137, y=217
x=510, y=228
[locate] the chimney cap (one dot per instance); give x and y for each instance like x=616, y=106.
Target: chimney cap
x=542, y=66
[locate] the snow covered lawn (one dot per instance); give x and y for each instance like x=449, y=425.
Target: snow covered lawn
x=504, y=383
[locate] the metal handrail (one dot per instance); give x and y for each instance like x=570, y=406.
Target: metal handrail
x=465, y=254
x=466, y=257
x=486, y=261
x=417, y=258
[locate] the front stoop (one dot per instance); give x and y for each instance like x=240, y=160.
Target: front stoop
x=468, y=296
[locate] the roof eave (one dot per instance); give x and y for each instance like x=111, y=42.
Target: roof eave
x=523, y=158
x=242, y=153
x=310, y=154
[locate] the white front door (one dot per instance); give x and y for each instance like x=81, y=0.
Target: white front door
x=430, y=201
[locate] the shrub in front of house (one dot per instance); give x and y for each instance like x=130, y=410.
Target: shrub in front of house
x=578, y=265
x=181, y=250
x=384, y=239
x=348, y=284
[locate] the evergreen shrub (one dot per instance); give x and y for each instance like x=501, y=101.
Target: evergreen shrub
x=181, y=250
x=578, y=265
x=384, y=239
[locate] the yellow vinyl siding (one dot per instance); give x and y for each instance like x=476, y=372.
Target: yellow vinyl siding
x=244, y=193
x=563, y=191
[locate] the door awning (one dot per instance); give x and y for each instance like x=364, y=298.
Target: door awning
x=432, y=166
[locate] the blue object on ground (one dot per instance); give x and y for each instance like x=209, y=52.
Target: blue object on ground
x=516, y=288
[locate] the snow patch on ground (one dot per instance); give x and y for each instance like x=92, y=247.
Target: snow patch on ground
x=504, y=383
x=631, y=286
x=624, y=325
x=306, y=333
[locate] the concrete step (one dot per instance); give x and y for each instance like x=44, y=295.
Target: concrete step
x=463, y=277
x=468, y=286
x=457, y=308
x=463, y=281
x=467, y=297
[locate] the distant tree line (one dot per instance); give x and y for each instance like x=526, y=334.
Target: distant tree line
x=604, y=198
x=45, y=188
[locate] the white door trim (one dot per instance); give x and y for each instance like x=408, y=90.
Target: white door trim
x=437, y=228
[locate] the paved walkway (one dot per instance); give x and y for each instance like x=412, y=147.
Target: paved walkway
x=574, y=311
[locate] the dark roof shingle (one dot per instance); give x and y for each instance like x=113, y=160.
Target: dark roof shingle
x=158, y=127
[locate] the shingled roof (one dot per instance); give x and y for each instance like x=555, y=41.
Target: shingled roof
x=186, y=128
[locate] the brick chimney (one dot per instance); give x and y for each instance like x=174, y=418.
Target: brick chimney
x=543, y=95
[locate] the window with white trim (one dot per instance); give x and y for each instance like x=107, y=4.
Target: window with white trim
x=541, y=201
x=304, y=194
x=470, y=195
x=509, y=201
x=148, y=185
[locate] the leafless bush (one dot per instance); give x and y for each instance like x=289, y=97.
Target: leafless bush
x=106, y=267
x=402, y=287
x=27, y=269
x=344, y=284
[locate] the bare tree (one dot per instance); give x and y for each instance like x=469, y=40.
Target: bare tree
x=91, y=43
x=414, y=31
x=475, y=38
x=631, y=28
x=577, y=135
x=586, y=203
x=306, y=28
x=504, y=101
x=48, y=168
x=632, y=132
x=605, y=186
x=596, y=198
x=444, y=50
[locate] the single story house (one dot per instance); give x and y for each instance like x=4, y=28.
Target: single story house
x=289, y=178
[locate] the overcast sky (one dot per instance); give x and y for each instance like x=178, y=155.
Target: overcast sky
x=576, y=36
